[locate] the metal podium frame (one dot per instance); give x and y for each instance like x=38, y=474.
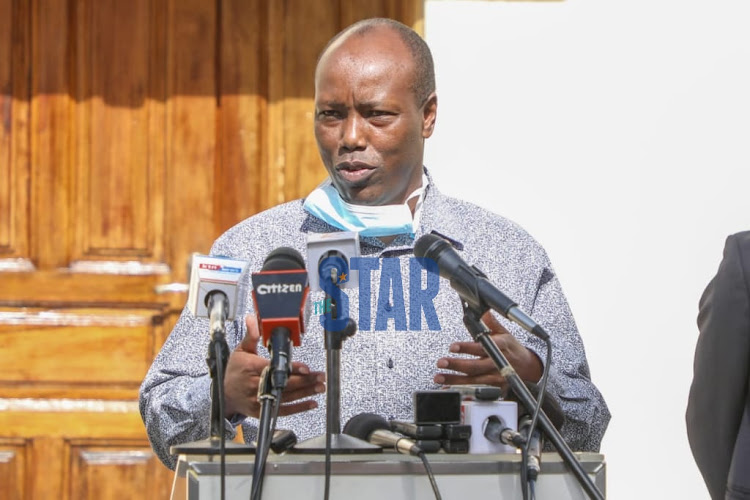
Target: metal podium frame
x=384, y=475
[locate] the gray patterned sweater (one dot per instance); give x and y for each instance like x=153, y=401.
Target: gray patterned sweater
x=380, y=367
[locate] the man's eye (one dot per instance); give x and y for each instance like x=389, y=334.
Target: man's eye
x=328, y=113
x=379, y=116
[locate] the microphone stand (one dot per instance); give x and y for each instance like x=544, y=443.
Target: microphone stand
x=333, y=441
x=480, y=333
x=273, y=381
x=338, y=442
x=218, y=355
x=269, y=397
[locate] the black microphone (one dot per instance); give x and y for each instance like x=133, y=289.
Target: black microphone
x=497, y=431
x=279, y=293
x=375, y=429
x=471, y=283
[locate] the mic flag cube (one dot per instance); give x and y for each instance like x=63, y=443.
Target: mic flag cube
x=477, y=414
x=214, y=274
x=342, y=243
x=279, y=298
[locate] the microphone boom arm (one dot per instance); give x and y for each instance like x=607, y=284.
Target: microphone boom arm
x=480, y=333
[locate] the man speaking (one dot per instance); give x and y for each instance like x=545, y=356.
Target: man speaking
x=375, y=104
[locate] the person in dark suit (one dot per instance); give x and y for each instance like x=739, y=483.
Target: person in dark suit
x=718, y=411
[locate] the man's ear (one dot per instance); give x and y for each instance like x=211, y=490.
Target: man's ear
x=429, y=115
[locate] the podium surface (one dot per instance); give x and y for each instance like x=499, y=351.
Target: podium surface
x=384, y=475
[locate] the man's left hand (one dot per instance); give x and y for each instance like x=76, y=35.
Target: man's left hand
x=481, y=369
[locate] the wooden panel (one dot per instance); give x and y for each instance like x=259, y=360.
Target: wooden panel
x=51, y=109
x=119, y=128
x=116, y=470
x=72, y=454
x=241, y=177
x=307, y=27
x=48, y=481
x=191, y=130
x=131, y=134
x=273, y=169
x=14, y=147
x=77, y=349
x=13, y=471
x=56, y=420
x=48, y=287
x=6, y=116
x=410, y=13
x=354, y=10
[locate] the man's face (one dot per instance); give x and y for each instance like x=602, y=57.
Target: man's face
x=369, y=127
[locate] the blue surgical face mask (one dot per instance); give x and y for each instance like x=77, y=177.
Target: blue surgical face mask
x=326, y=204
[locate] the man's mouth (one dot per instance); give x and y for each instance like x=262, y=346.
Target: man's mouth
x=354, y=172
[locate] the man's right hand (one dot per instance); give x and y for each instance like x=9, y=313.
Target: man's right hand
x=242, y=379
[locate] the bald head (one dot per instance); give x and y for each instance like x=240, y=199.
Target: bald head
x=423, y=82
x=374, y=108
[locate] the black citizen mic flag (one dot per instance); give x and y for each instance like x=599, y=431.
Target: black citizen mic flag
x=279, y=293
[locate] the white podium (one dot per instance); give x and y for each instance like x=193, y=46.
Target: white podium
x=383, y=476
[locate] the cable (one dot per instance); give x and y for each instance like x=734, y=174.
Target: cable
x=525, y=472
x=268, y=415
x=542, y=389
x=220, y=391
x=258, y=465
x=430, y=475
x=532, y=487
x=327, y=466
x=275, y=401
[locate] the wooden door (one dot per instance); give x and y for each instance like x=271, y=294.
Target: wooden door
x=132, y=133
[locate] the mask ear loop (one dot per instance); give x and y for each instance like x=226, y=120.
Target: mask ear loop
x=420, y=191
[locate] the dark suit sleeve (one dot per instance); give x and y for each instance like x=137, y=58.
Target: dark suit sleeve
x=720, y=369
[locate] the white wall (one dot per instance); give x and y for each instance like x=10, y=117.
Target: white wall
x=619, y=135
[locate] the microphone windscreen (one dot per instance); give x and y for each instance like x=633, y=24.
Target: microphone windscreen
x=429, y=246
x=283, y=259
x=362, y=425
x=550, y=406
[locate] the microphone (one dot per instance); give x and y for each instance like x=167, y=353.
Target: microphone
x=213, y=289
x=374, y=429
x=279, y=294
x=497, y=431
x=472, y=284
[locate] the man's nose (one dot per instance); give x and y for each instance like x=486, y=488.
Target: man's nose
x=353, y=136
